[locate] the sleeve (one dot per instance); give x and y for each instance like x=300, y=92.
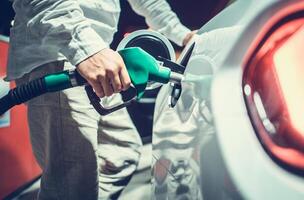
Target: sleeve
x=62, y=24
x=160, y=17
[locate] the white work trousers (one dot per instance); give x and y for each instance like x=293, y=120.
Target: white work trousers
x=82, y=155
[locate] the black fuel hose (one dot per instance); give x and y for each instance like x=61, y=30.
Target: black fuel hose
x=22, y=94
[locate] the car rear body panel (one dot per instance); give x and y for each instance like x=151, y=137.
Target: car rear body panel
x=206, y=147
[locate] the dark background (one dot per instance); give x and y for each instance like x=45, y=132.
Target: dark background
x=192, y=13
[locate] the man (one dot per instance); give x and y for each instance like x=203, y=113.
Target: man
x=82, y=155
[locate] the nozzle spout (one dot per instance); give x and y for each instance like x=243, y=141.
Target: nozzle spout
x=176, y=77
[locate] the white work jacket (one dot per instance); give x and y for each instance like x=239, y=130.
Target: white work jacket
x=49, y=30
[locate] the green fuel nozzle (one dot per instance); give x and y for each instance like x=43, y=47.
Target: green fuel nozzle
x=141, y=66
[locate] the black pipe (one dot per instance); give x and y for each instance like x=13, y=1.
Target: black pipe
x=22, y=94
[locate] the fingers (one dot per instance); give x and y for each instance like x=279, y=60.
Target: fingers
x=116, y=83
x=106, y=85
x=124, y=78
x=97, y=89
x=188, y=37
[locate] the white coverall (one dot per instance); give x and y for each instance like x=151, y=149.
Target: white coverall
x=82, y=155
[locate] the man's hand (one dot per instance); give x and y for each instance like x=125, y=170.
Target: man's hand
x=106, y=72
x=188, y=37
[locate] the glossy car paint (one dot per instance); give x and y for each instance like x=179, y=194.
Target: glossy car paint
x=205, y=147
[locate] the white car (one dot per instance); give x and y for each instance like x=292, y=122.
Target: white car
x=234, y=129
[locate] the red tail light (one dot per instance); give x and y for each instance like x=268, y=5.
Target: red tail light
x=274, y=91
